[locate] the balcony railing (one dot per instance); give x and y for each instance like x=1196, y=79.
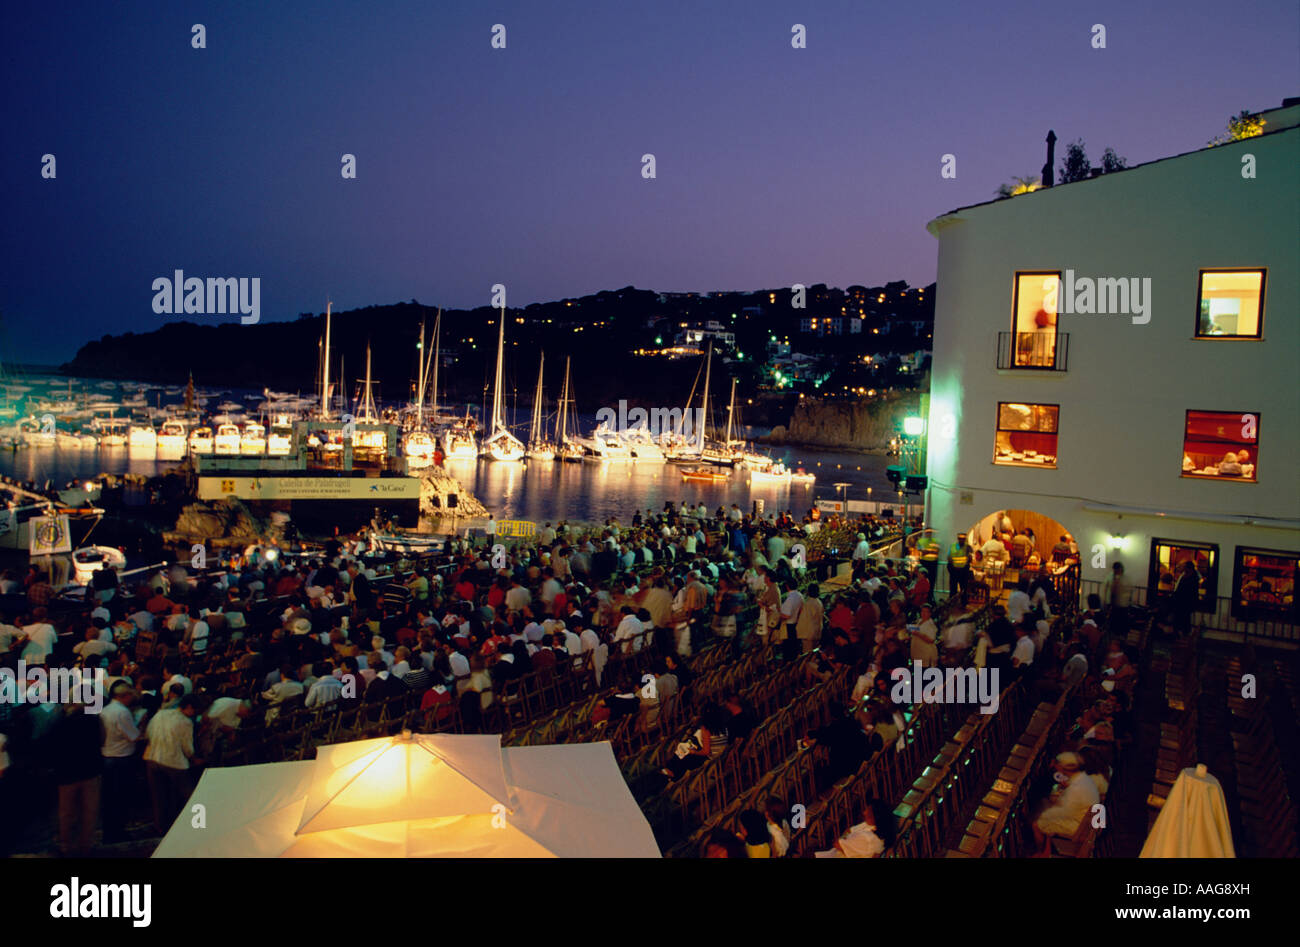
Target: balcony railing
x=1036, y=351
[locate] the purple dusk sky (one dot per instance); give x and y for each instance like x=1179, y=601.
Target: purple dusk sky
x=523, y=166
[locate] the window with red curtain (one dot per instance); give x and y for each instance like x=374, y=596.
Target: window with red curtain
x=1221, y=445
x=1026, y=434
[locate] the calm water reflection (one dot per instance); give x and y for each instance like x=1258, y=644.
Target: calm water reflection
x=537, y=490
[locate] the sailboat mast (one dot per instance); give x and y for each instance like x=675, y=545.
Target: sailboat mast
x=498, y=421
x=419, y=385
x=708, y=365
x=536, y=435
x=325, y=382
x=564, y=405
x=368, y=404
x=437, y=339
x=731, y=410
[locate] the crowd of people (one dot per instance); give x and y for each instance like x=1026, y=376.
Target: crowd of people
x=189, y=659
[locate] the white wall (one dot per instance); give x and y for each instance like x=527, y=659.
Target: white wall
x=1124, y=397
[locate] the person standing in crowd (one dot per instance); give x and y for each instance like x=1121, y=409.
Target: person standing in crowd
x=75, y=757
x=1118, y=595
x=120, y=735
x=167, y=760
x=1186, y=594
x=811, y=620
x=959, y=567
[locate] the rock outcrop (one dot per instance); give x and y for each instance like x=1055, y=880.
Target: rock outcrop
x=226, y=519
x=436, y=486
x=850, y=425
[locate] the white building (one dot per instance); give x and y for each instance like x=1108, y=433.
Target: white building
x=1119, y=426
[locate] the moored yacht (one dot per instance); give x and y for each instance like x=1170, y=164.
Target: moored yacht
x=279, y=442
x=142, y=439
x=253, y=440
x=201, y=440
x=226, y=443
x=172, y=440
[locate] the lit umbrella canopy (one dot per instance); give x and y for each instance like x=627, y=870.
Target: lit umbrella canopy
x=440, y=795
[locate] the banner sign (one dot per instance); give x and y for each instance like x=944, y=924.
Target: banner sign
x=49, y=535
x=309, y=488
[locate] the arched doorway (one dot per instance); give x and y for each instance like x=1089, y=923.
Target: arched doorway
x=1029, y=545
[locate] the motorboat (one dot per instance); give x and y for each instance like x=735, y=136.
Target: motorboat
x=112, y=432
x=227, y=441
x=201, y=440
x=172, y=440
x=142, y=439
x=252, y=442
x=88, y=560
x=419, y=446
x=705, y=474
x=777, y=473
x=279, y=442
x=803, y=477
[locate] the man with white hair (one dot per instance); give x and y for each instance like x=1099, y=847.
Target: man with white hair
x=1070, y=802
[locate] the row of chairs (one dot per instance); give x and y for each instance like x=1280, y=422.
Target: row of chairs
x=693, y=800
x=1267, y=813
x=884, y=776
x=939, y=797
x=1000, y=824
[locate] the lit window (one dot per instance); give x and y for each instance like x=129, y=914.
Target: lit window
x=1168, y=559
x=1263, y=584
x=1231, y=304
x=1026, y=435
x=1034, y=320
x=1223, y=445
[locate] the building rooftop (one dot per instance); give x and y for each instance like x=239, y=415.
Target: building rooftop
x=1283, y=118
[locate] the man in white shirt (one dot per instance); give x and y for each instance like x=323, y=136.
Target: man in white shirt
x=118, y=750
x=1022, y=656
x=41, y=639
x=1066, y=809
x=280, y=692
x=167, y=760
x=862, y=551
x=401, y=665
x=517, y=597
x=630, y=629
x=1017, y=605
x=92, y=646
x=459, y=664
x=326, y=690
x=8, y=635
x=957, y=639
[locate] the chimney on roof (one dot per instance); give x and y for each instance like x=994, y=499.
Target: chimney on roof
x=1048, y=174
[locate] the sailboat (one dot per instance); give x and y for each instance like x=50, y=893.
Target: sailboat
x=418, y=445
x=539, y=448
x=725, y=453
x=373, y=438
x=500, y=444
x=566, y=449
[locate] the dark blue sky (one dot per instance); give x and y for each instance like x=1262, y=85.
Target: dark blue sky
x=522, y=166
